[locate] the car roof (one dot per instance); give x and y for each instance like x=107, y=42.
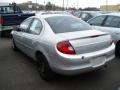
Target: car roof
x=93, y=13
x=113, y=14
x=51, y=15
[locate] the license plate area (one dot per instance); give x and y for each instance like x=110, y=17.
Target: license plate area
x=98, y=61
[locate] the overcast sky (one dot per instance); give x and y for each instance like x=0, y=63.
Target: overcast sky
x=71, y=3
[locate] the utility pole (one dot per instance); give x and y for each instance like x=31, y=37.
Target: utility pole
x=106, y=5
x=67, y=5
x=73, y=5
x=77, y=4
x=36, y=5
x=44, y=5
x=63, y=5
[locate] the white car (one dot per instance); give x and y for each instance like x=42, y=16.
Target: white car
x=86, y=15
x=108, y=23
x=63, y=44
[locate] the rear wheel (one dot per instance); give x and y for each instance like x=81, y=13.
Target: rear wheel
x=13, y=45
x=44, y=69
x=117, y=49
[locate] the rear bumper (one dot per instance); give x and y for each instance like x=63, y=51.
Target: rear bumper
x=76, y=64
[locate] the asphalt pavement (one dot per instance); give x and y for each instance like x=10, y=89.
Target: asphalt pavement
x=19, y=72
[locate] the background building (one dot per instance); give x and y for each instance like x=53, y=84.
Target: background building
x=110, y=8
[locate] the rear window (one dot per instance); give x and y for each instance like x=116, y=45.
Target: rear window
x=61, y=24
x=9, y=9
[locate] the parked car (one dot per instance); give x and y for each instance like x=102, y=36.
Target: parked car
x=86, y=15
x=61, y=12
x=43, y=12
x=53, y=12
x=108, y=23
x=62, y=44
x=11, y=16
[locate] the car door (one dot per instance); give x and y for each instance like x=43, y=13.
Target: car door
x=112, y=26
x=31, y=37
x=97, y=22
x=18, y=34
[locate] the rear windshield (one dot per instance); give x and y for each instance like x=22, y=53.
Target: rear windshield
x=61, y=24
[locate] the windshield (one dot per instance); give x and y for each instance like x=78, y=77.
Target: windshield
x=61, y=24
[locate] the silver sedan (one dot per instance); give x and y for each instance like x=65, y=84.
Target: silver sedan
x=62, y=44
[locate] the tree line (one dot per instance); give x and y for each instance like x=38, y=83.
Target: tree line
x=49, y=6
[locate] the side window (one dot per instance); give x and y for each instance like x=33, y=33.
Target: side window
x=112, y=21
x=97, y=21
x=83, y=16
x=36, y=27
x=17, y=10
x=86, y=16
x=108, y=21
x=77, y=14
x=24, y=25
x=115, y=22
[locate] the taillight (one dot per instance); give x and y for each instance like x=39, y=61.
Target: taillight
x=65, y=47
x=1, y=20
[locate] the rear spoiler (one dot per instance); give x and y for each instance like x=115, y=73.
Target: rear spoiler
x=90, y=36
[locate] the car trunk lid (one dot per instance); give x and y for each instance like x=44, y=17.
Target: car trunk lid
x=87, y=41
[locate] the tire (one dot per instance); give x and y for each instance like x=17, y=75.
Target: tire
x=13, y=45
x=1, y=34
x=44, y=69
x=117, y=49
